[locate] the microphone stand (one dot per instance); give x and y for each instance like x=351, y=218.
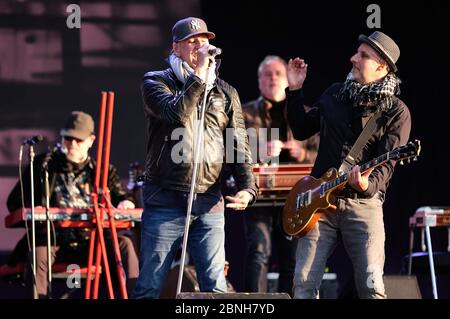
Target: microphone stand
x=47, y=219
x=192, y=191
x=33, y=221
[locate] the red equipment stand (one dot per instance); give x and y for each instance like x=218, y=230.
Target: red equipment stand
x=97, y=240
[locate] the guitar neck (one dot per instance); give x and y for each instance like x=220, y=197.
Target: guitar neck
x=342, y=179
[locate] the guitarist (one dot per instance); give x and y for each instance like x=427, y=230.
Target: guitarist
x=340, y=115
x=262, y=229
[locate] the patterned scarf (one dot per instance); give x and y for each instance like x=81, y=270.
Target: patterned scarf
x=183, y=70
x=370, y=97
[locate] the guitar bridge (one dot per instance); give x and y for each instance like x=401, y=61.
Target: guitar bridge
x=303, y=199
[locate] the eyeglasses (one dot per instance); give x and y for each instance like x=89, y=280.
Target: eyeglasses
x=71, y=138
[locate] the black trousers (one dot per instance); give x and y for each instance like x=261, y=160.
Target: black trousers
x=262, y=229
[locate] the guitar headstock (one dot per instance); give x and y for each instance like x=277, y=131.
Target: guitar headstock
x=409, y=151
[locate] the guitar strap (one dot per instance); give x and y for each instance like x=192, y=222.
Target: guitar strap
x=369, y=129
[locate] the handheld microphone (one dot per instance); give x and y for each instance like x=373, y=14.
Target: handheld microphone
x=214, y=51
x=33, y=140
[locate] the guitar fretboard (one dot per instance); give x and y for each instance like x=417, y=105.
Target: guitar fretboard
x=342, y=179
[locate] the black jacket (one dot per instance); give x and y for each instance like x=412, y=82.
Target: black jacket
x=57, y=165
x=340, y=124
x=171, y=111
x=258, y=114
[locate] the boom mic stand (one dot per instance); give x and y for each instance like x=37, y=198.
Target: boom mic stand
x=192, y=191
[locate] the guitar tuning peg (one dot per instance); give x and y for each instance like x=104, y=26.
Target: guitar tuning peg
x=415, y=159
x=409, y=160
x=402, y=163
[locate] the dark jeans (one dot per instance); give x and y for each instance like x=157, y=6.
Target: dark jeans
x=161, y=236
x=360, y=222
x=262, y=227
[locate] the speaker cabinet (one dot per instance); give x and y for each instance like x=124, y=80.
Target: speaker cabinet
x=402, y=287
x=189, y=284
x=191, y=290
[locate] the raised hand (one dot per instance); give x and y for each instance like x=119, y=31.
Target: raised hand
x=296, y=73
x=203, y=59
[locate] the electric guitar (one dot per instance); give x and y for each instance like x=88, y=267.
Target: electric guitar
x=310, y=195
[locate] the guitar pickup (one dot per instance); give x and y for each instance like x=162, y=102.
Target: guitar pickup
x=299, y=200
x=308, y=198
x=304, y=199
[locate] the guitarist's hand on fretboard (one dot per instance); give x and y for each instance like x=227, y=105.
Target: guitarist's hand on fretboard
x=358, y=181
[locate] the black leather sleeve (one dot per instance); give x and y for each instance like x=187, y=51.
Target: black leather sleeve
x=243, y=163
x=163, y=101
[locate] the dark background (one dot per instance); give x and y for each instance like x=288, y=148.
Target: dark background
x=47, y=70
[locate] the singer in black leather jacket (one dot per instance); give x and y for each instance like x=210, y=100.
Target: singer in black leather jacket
x=170, y=105
x=172, y=100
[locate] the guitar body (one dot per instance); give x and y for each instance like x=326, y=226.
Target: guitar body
x=298, y=221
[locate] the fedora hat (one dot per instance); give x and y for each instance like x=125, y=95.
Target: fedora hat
x=384, y=46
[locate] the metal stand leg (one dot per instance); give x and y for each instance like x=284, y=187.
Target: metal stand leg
x=430, y=257
x=33, y=224
x=411, y=244
x=448, y=241
x=422, y=240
